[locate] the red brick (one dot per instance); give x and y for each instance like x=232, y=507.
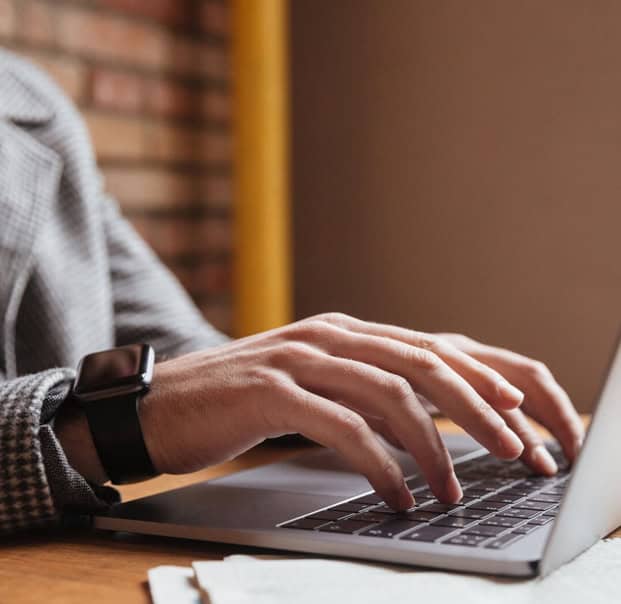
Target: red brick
x=213, y=63
x=171, y=99
x=216, y=191
x=69, y=74
x=173, y=143
x=139, y=188
x=168, y=12
x=216, y=235
x=214, y=17
x=109, y=37
x=172, y=236
x=215, y=106
x=116, y=137
x=7, y=18
x=187, y=144
x=198, y=58
x=37, y=22
x=112, y=89
x=214, y=147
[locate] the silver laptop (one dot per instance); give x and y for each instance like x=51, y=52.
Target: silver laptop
x=510, y=521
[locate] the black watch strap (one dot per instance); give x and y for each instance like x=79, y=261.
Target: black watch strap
x=115, y=427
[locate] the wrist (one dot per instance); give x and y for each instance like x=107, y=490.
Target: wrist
x=73, y=433
x=151, y=414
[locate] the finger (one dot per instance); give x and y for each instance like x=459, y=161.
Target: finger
x=346, y=432
x=361, y=386
x=380, y=426
x=490, y=384
x=545, y=401
x=427, y=374
x=535, y=453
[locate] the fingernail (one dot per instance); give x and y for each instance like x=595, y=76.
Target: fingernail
x=511, y=443
x=509, y=391
x=541, y=456
x=453, y=489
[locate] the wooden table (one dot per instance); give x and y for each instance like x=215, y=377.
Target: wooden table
x=95, y=567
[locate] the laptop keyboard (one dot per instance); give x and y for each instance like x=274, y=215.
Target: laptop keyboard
x=502, y=503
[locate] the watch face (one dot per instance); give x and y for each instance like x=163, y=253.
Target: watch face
x=123, y=369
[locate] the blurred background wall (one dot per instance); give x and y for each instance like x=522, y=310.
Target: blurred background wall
x=457, y=166
x=152, y=79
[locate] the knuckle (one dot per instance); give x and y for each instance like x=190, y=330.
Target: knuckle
x=423, y=358
x=311, y=330
x=400, y=390
x=272, y=381
x=336, y=318
x=427, y=341
x=293, y=350
x=353, y=428
x=537, y=370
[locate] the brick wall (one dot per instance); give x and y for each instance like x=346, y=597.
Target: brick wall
x=152, y=80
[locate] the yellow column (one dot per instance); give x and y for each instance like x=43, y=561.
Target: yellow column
x=262, y=263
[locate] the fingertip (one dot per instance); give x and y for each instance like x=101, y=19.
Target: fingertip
x=511, y=447
x=543, y=461
x=453, y=489
x=509, y=397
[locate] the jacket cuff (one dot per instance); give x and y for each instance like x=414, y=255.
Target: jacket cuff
x=25, y=494
x=36, y=481
x=71, y=492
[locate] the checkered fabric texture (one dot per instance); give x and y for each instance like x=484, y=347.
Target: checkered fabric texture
x=74, y=278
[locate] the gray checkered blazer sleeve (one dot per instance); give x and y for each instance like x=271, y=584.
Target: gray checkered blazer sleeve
x=74, y=278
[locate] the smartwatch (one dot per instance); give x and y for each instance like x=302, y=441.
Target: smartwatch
x=108, y=386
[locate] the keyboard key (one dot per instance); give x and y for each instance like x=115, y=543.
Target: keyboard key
x=520, y=513
x=541, y=520
x=468, y=540
x=350, y=506
x=490, y=506
x=539, y=506
x=429, y=533
x=485, y=530
x=441, y=508
x=552, y=512
x=390, y=529
x=517, y=491
x=503, y=497
x=474, y=492
x=306, y=524
x=384, y=509
x=469, y=513
x=453, y=521
x=525, y=529
x=545, y=498
x=502, y=521
x=466, y=499
x=422, y=516
x=503, y=541
x=326, y=515
x=369, y=517
x=344, y=526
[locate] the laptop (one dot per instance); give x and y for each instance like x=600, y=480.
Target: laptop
x=510, y=521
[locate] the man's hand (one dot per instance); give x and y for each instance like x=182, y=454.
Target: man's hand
x=339, y=381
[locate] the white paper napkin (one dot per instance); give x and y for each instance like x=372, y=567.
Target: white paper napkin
x=593, y=577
